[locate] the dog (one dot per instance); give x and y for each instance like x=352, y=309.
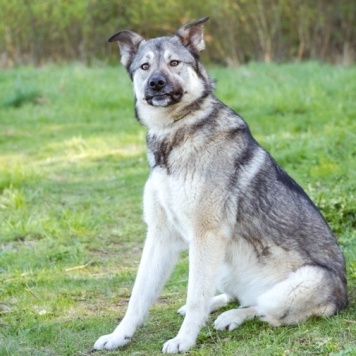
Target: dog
x=251, y=230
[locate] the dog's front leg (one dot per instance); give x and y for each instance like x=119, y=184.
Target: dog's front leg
x=159, y=255
x=206, y=253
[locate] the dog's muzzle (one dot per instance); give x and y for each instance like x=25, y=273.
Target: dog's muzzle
x=161, y=92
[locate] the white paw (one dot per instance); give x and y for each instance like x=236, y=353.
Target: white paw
x=182, y=310
x=227, y=321
x=177, y=345
x=111, y=341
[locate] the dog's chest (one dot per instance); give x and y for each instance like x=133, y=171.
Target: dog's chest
x=178, y=196
x=184, y=181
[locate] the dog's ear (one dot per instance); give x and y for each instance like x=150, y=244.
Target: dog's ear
x=191, y=35
x=128, y=42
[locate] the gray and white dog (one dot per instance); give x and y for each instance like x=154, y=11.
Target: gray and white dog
x=251, y=230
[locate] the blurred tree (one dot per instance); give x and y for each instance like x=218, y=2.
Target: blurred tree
x=36, y=31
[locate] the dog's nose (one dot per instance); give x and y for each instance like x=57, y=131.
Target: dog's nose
x=157, y=82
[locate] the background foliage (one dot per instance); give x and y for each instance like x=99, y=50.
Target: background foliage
x=35, y=31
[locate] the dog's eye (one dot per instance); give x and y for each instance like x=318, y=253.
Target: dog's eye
x=145, y=66
x=174, y=63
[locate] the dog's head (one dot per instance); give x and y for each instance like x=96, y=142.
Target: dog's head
x=165, y=70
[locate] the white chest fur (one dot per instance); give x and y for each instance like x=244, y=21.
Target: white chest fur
x=177, y=196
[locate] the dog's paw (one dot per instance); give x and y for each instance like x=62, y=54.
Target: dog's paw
x=182, y=310
x=227, y=321
x=111, y=342
x=177, y=345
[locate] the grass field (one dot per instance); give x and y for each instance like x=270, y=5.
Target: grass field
x=72, y=170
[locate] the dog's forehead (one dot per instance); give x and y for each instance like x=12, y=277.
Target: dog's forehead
x=164, y=48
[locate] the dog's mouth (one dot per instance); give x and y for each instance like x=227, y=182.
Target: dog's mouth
x=164, y=99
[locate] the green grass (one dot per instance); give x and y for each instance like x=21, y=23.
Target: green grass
x=72, y=170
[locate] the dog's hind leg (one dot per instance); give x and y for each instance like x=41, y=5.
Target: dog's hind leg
x=233, y=318
x=310, y=290
x=220, y=301
x=216, y=303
